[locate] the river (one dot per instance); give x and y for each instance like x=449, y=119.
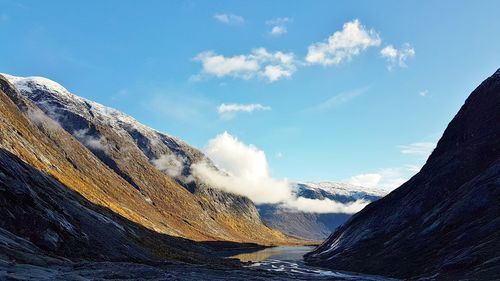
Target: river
x=290, y=259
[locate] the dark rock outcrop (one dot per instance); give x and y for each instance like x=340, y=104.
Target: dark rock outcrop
x=444, y=223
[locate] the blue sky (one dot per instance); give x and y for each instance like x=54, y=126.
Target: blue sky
x=370, y=102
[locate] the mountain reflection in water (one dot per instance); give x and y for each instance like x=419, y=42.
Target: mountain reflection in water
x=276, y=253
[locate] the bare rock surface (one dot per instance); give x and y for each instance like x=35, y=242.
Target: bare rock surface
x=444, y=223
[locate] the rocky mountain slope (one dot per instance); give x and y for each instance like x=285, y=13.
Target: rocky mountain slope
x=68, y=216
x=444, y=223
x=316, y=226
x=58, y=199
x=155, y=165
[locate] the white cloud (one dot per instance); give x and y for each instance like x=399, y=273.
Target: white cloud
x=173, y=166
x=413, y=168
x=397, y=57
x=258, y=64
x=343, y=45
x=423, y=93
x=278, y=26
x=325, y=206
x=169, y=164
x=422, y=149
x=365, y=180
x=229, y=19
x=278, y=30
x=391, y=178
x=41, y=120
x=245, y=171
x=234, y=107
x=389, y=52
x=386, y=178
x=89, y=140
x=241, y=66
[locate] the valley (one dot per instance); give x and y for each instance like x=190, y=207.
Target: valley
x=88, y=192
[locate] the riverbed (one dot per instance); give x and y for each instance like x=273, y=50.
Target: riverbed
x=290, y=259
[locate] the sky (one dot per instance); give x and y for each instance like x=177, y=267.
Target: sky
x=350, y=91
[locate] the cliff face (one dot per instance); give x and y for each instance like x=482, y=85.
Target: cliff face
x=85, y=156
x=445, y=221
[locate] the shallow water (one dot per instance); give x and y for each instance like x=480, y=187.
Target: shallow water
x=290, y=259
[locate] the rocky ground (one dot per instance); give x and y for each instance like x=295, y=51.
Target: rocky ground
x=133, y=271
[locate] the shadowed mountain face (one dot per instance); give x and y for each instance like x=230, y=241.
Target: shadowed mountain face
x=111, y=169
x=316, y=226
x=445, y=221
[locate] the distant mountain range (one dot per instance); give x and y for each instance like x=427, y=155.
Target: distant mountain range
x=316, y=226
x=444, y=223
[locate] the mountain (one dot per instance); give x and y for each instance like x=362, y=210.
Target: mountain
x=316, y=226
x=58, y=200
x=156, y=165
x=444, y=223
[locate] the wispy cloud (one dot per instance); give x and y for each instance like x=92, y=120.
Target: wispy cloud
x=391, y=178
x=260, y=63
x=397, y=57
x=337, y=100
x=230, y=19
x=235, y=107
x=91, y=141
x=178, y=108
x=228, y=111
x=278, y=26
x=423, y=93
x=343, y=45
x=421, y=149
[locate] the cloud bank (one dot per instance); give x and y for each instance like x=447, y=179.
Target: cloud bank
x=246, y=172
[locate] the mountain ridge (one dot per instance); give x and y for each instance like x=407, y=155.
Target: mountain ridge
x=197, y=224
x=443, y=223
